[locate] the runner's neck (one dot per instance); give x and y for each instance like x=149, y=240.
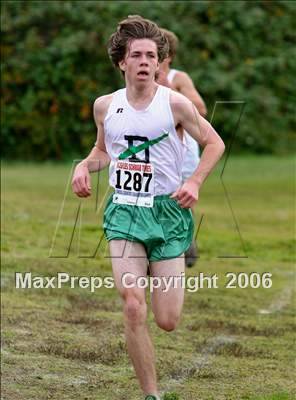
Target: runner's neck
x=140, y=97
x=166, y=69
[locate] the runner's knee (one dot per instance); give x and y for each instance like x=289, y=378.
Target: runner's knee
x=168, y=321
x=135, y=309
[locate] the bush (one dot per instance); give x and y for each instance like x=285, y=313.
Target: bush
x=55, y=64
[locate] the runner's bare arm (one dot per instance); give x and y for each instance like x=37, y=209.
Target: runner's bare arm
x=185, y=86
x=202, y=131
x=98, y=158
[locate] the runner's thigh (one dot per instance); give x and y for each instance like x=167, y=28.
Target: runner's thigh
x=128, y=257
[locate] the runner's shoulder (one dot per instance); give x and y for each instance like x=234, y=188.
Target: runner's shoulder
x=182, y=108
x=181, y=78
x=178, y=101
x=101, y=106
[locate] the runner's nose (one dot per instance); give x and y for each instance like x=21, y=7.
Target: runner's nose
x=144, y=60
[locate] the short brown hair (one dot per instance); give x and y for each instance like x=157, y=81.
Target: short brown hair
x=136, y=27
x=173, y=42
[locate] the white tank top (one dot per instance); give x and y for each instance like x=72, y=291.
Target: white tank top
x=191, y=158
x=124, y=127
x=171, y=75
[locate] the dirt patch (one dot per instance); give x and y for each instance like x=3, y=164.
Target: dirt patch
x=92, y=302
x=233, y=328
x=105, y=352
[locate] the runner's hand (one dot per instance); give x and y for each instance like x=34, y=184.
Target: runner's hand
x=81, y=181
x=187, y=194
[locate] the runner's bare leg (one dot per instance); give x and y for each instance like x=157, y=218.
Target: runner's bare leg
x=131, y=257
x=167, y=305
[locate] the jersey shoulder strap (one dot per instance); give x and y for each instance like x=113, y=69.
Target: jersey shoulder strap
x=171, y=75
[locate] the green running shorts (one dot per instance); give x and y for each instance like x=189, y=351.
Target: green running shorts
x=165, y=230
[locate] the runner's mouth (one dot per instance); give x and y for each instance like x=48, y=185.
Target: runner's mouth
x=143, y=73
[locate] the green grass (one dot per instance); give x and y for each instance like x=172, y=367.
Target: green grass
x=278, y=396
x=232, y=344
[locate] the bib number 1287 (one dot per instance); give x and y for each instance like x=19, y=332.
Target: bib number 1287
x=136, y=181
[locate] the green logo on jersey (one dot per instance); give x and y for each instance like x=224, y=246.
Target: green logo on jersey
x=136, y=149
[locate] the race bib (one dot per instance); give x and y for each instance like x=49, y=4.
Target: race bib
x=134, y=184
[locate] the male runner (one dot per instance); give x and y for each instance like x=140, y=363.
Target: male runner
x=182, y=83
x=149, y=216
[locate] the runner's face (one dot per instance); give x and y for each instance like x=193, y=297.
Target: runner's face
x=141, y=61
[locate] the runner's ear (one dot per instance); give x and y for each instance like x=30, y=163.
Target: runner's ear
x=122, y=65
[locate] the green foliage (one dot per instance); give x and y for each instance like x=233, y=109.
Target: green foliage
x=55, y=64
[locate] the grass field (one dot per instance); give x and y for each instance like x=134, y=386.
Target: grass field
x=232, y=344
